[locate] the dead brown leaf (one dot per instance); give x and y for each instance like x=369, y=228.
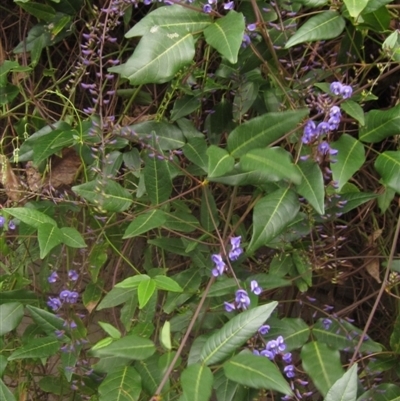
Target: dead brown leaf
x=10, y=181
x=373, y=267
x=64, y=169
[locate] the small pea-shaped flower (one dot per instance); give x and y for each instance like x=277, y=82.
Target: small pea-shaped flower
x=73, y=275
x=346, y=91
x=53, y=277
x=219, y=265
x=242, y=299
x=255, y=288
x=2, y=221
x=336, y=88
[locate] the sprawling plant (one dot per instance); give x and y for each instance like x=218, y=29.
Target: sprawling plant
x=200, y=200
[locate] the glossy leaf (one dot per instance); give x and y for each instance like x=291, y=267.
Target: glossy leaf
x=23, y=296
x=260, y=132
x=219, y=161
x=122, y=384
x=354, y=110
x=132, y=347
x=167, y=284
x=295, y=331
x=105, y=194
x=325, y=25
x=312, y=186
x=271, y=215
x=181, y=221
x=235, y=333
x=256, y=372
x=47, y=321
x=145, y=291
x=37, y=348
x=225, y=389
x=226, y=35
x=245, y=96
x=184, y=106
x=157, y=180
x=350, y=158
x=72, y=237
x=115, y=297
x=5, y=393
x=355, y=7
x=159, y=55
x=322, y=364
x=197, y=381
x=276, y=163
x=92, y=294
x=195, y=151
x=31, y=217
x=352, y=200
x=174, y=18
x=380, y=124
x=145, y=222
x=382, y=392
x=388, y=166
x=49, y=236
x=11, y=315
x=345, y=388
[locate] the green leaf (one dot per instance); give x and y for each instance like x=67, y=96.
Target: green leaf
x=195, y=151
x=23, y=296
x=31, y=217
x=345, y=388
x=271, y=215
x=322, y=364
x=115, y=297
x=304, y=269
x=174, y=18
x=92, y=294
x=8, y=94
x=395, y=336
x=37, y=348
x=145, y=291
x=388, y=166
x=11, y=315
x=165, y=336
x=260, y=132
x=49, y=236
x=40, y=11
x=6, y=67
x=256, y=372
x=312, y=185
x=235, y=333
x=47, y=321
x=325, y=25
x=122, y=384
x=167, y=136
x=145, y=222
x=131, y=346
x=226, y=35
x=380, y=124
x=197, y=381
x=106, y=194
x=5, y=393
x=181, y=221
x=112, y=331
x=157, y=58
x=132, y=282
x=354, y=110
x=50, y=144
x=295, y=331
x=184, y=106
x=350, y=158
x=225, y=389
x=245, y=96
x=219, y=161
x=157, y=180
x=276, y=163
x=167, y=284
x=72, y=238
x=382, y=392
x=355, y=7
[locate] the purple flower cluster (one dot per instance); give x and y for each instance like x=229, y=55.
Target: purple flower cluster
x=11, y=224
x=234, y=253
x=65, y=296
x=242, y=300
x=208, y=7
x=345, y=91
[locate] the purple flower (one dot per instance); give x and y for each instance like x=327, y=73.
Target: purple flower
x=73, y=275
x=335, y=112
x=219, y=265
x=325, y=149
x=326, y=323
x=310, y=132
x=252, y=27
x=229, y=5
x=281, y=344
x=289, y=371
x=336, y=88
x=53, y=277
x=333, y=123
x=264, y=329
x=229, y=307
x=287, y=358
x=255, y=288
x=274, y=347
x=207, y=8
x=323, y=128
x=346, y=91
x=69, y=296
x=242, y=299
x=2, y=221
x=236, y=250
x=11, y=225
x=246, y=40
x=54, y=303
